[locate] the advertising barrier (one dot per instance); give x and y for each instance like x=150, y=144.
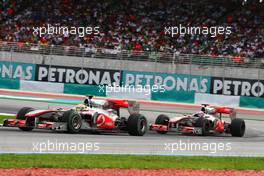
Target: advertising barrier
x=16, y=70
x=237, y=87
x=125, y=84
x=84, y=89
x=77, y=75
x=12, y=72
x=168, y=87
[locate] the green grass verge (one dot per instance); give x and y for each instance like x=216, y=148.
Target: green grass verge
x=2, y=117
x=128, y=161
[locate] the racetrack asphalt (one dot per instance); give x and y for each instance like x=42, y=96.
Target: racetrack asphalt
x=12, y=140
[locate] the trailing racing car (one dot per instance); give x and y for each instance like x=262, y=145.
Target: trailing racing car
x=94, y=115
x=205, y=122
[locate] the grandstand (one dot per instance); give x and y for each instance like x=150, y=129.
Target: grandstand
x=139, y=25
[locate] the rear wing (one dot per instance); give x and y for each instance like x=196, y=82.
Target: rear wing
x=221, y=110
x=226, y=110
x=133, y=106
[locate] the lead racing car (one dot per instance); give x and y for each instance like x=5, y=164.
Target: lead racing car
x=94, y=115
x=205, y=122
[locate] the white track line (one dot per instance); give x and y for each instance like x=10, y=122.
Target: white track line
x=7, y=114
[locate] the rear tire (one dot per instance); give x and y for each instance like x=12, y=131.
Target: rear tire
x=21, y=116
x=73, y=120
x=237, y=127
x=162, y=120
x=137, y=125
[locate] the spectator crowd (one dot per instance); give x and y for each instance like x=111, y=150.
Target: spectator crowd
x=139, y=25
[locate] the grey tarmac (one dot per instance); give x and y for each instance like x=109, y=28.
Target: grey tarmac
x=12, y=140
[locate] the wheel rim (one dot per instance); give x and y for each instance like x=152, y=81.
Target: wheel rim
x=243, y=127
x=76, y=122
x=142, y=125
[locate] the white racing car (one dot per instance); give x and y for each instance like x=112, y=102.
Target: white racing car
x=94, y=115
x=205, y=122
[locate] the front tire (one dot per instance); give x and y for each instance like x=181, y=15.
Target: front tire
x=237, y=127
x=137, y=125
x=74, y=121
x=204, y=124
x=21, y=116
x=162, y=120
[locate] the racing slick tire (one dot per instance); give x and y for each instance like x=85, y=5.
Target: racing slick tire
x=73, y=120
x=204, y=124
x=237, y=127
x=136, y=125
x=162, y=120
x=21, y=116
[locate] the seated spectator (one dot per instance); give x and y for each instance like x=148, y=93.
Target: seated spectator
x=139, y=25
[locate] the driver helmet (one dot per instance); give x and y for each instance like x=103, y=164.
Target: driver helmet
x=199, y=114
